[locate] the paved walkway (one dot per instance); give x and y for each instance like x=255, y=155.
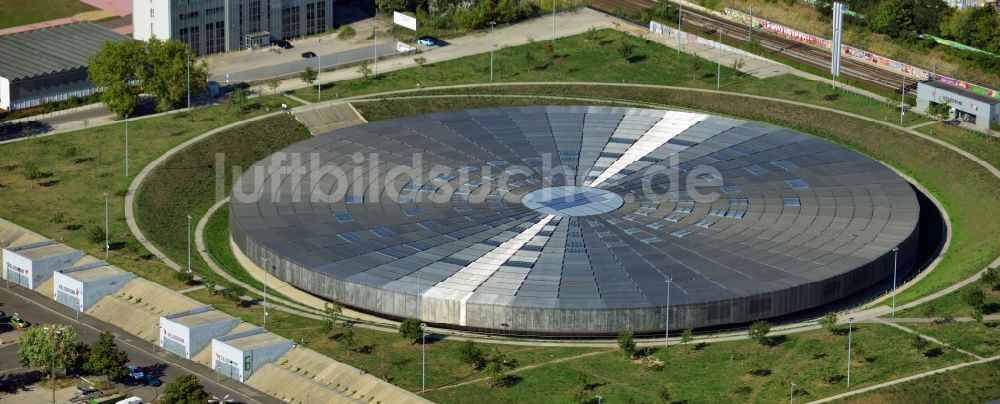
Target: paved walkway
x=926, y=337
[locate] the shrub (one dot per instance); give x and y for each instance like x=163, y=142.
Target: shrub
x=470, y=354
x=758, y=331
x=626, y=342
x=346, y=32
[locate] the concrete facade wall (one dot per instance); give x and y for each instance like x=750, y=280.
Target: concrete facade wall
x=4, y=93
x=226, y=353
x=200, y=337
x=554, y=320
x=90, y=292
x=62, y=282
x=170, y=329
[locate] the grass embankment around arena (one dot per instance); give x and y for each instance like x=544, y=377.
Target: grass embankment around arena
x=55, y=185
x=966, y=190
x=598, y=56
x=186, y=184
x=21, y=12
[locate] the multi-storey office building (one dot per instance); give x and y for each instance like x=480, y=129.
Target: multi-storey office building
x=212, y=26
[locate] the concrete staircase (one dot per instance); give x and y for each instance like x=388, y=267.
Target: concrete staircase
x=321, y=119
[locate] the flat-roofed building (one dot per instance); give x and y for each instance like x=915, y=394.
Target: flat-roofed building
x=81, y=286
x=188, y=332
x=212, y=26
x=49, y=64
x=29, y=265
x=237, y=356
x=977, y=109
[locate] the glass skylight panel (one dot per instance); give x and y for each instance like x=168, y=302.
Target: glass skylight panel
x=467, y=169
x=681, y=233
x=651, y=240
x=793, y=202
x=736, y=214
x=755, y=169
x=411, y=211
x=407, y=199
x=731, y=189
x=784, y=164
x=614, y=221
x=797, y=183
x=673, y=217
x=444, y=177
x=455, y=235
x=463, y=208
x=349, y=237
x=655, y=225
x=354, y=198
x=743, y=149
x=383, y=232
x=720, y=156
x=716, y=212
x=704, y=223
x=683, y=209
x=630, y=217
x=632, y=230
x=474, y=217
x=416, y=245
x=497, y=163
x=343, y=217
x=428, y=224
x=412, y=186
x=644, y=211
x=739, y=202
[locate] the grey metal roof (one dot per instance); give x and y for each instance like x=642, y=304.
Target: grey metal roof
x=960, y=91
x=512, y=221
x=51, y=50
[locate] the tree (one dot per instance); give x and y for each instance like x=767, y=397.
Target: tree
x=185, y=390
x=977, y=314
x=626, y=48
x=166, y=75
x=626, y=342
x=239, y=99
x=919, y=343
x=580, y=390
x=330, y=314
x=210, y=286
x=43, y=346
x=974, y=297
x=117, y=67
x=184, y=276
x=664, y=394
x=471, y=354
x=308, y=75
x=410, y=329
x=105, y=359
x=364, y=70
x=234, y=293
x=388, y=6
x=273, y=85
x=686, y=336
x=420, y=60
x=991, y=278
x=548, y=48
x=892, y=17
x=759, y=330
x=829, y=322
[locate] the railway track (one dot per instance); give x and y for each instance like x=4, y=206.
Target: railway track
x=709, y=25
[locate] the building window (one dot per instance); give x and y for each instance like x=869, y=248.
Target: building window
x=290, y=22
x=215, y=37
x=254, y=16
x=315, y=18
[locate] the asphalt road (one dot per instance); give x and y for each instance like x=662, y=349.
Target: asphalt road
x=37, y=309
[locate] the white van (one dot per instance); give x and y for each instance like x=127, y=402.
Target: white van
x=131, y=400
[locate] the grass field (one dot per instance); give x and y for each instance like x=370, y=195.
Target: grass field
x=973, y=384
x=596, y=59
x=217, y=243
x=20, y=12
x=952, y=304
x=976, y=143
x=185, y=184
x=70, y=173
x=721, y=372
x=982, y=339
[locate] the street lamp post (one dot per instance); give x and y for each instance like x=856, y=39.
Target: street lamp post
x=188, y=56
x=553, y=21
x=107, y=243
x=189, y=243
x=895, y=255
x=55, y=332
x=718, y=64
x=850, y=332
x=265, y=292
x=375, y=50
x=792, y=394
x=680, y=10
x=666, y=325
x=423, y=357
x=599, y=398
x=319, y=87
x=493, y=25
x=126, y=145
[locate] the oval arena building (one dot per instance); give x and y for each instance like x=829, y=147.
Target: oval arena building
x=575, y=220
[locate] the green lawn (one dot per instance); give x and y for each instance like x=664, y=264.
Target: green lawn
x=973, y=142
x=186, y=183
x=66, y=199
x=20, y=12
x=386, y=354
x=966, y=189
x=816, y=361
x=953, y=305
x=982, y=339
x=972, y=384
x=596, y=58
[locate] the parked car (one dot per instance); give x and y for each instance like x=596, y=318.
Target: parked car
x=427, y=41
x=151, y=380
x=282, y=44
x=308, y=55
x=17, y=322
x=135, y=372
x=86, y=389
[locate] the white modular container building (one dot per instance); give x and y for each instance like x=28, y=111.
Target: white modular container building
x=238, y=356
x=187, y=332
x=29, y=265
x=80, y=287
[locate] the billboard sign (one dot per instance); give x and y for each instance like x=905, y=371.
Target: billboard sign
x=404, y=20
